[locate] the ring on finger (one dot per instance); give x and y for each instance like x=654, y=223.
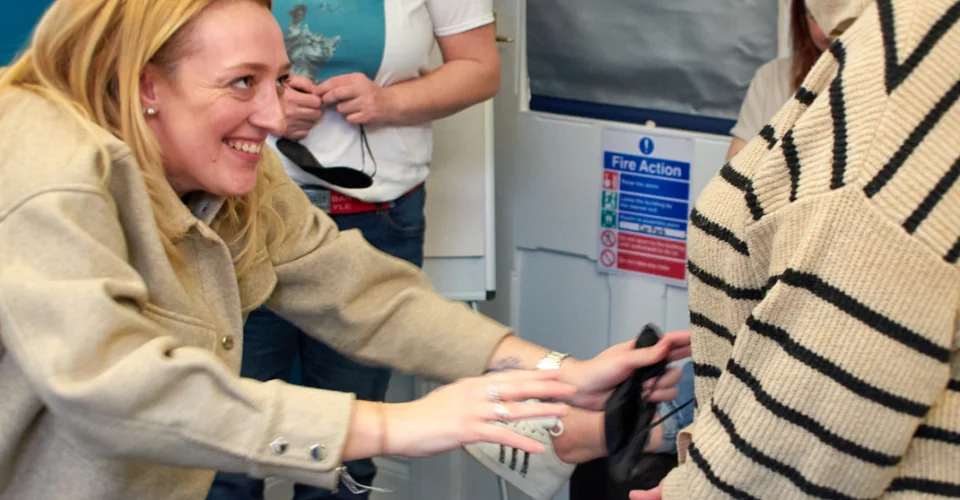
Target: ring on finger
x=501, y=412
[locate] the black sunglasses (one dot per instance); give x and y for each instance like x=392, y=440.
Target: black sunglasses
x=628, y=417
x=344, y=177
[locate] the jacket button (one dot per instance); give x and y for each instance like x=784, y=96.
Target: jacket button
x=279, y=446
x=317, y=452
x=227, y=342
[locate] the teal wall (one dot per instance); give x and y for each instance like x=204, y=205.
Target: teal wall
x=17, y=19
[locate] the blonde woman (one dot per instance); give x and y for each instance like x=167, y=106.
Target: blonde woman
x=141, y=219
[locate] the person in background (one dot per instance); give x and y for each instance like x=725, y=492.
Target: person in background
x=778, y=80
x=142, y=218
x=366, y=104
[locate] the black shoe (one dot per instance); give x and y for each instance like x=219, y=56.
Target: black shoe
x=627, y=423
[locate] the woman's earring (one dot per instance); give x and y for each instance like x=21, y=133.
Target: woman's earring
x=150, y=111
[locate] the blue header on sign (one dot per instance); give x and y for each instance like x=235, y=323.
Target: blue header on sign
x=666, y=169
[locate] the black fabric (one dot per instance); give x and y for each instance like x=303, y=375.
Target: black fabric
x=336, y=176
x=628, y=415
x=592, y=480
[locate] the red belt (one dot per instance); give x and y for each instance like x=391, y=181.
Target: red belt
x=335, y=203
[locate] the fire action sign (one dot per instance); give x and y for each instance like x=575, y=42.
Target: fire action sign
x=645, y=204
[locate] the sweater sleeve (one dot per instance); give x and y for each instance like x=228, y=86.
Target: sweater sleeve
x=846, y=355
x=825, y=284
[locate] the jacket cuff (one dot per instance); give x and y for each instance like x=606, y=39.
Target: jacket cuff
x=304, y=436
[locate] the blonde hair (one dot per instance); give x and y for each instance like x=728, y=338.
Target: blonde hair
x=86, y=56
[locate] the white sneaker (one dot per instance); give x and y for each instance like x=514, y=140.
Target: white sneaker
x=539, y=476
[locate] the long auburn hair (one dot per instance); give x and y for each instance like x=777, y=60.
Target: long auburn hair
x=86, y=57
x=805, y=52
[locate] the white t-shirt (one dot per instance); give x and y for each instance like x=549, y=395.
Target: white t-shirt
x=770, y=89
x=390, y=41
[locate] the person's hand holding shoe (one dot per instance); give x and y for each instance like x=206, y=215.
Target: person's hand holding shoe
x=596, y=378
x=468, y=410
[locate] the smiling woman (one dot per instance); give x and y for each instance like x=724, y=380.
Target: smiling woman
x=141, y=220
x=192, y=102
x=216, y=106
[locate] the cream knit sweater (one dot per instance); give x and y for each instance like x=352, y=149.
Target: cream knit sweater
x=824, y=279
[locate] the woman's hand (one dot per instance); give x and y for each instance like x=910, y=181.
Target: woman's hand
x=359, y=100
x=596, y=378
x=654, y=494
x=303, y=108
x=464, y=412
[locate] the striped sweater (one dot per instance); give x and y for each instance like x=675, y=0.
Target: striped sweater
x=824, y=280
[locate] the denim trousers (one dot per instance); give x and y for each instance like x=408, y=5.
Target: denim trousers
x=673, y=424
x=272, y=347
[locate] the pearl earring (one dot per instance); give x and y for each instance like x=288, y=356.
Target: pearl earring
x=150, y=111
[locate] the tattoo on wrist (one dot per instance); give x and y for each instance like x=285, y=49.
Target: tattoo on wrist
x=509, y=363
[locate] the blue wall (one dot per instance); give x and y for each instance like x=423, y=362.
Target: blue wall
x=16, y=23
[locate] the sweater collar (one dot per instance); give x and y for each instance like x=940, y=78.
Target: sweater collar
x=835, y=16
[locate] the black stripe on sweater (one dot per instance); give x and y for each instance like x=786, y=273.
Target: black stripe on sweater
x=719, y=330
x=770, y=284
x=839, y=114
x=941, y=488
x=810, y=425
x=739, y=181
x=913, y=141
x=889, y=32
x=770, y=135
x=934, y=197
x=954, y=254
x=805, y=96
x=776, y=466
x=897, y=73
x=937, y=434
x=953, y=385
x=718, y=483
x=706, y=371
x=719, y=232
x=833, y=371
x=730, y=290
x=793, y=163
x=865, y=315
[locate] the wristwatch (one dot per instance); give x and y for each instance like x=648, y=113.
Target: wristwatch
x=551, y=361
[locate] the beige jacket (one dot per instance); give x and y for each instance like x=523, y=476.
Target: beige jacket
x=118, y=373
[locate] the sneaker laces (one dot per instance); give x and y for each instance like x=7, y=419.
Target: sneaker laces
x=535, y=427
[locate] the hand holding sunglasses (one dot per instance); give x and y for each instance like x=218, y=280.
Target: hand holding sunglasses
x=303, y=108
x=344, y=177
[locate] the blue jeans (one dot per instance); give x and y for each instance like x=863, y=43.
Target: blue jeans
x=272, y=346
x=676, y=422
